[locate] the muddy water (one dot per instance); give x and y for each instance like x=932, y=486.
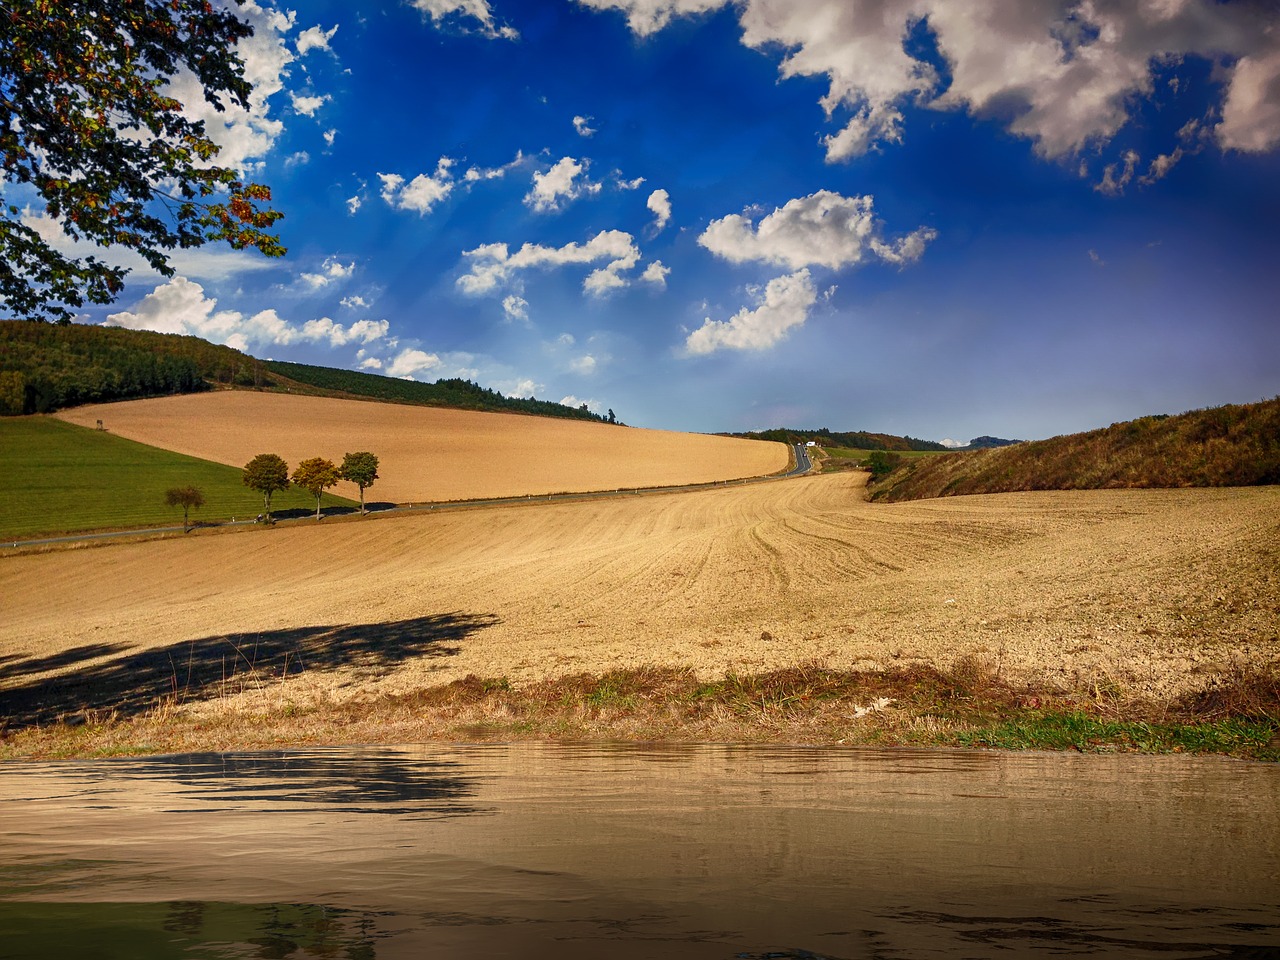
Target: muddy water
x=619, y=852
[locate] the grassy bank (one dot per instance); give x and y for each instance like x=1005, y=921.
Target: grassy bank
x=1234, y=445
x=61, y=478
x=969, y=705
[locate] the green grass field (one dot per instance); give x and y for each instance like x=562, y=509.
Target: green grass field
x=61, y=478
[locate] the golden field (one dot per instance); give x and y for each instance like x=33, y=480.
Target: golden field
x=432, y=453
x=1140, y=593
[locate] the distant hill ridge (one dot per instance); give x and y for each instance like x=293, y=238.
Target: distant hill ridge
x=977, y=443
x=1234, y=445
x=46, y=367
x=853, y=440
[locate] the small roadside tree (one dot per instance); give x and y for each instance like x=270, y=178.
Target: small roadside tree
x=316, y=475
x=360, y=468
x=186, y=498
x=267, y=473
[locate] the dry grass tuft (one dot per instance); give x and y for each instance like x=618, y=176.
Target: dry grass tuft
x=1250, y=692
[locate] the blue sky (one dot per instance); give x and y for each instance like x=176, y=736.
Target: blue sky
x=924, y=217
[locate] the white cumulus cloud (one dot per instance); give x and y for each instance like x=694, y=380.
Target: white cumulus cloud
x=308, y=105
x=1251, y=111
x=1065, y=75
x=476, y=174
x=515, y=308
x=411, y=362
x=422, y=193
x=659, y=204
x=656, y=273
x=493, y=265
x=822, y=229
x=331, y=271
x=583, y=126
x=180, y=306
x=314, y=38
x=361, y=331
x=477, y=10
x=785, y=305
x=646, y=17
x=565, y=182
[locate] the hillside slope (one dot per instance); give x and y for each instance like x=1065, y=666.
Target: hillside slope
x=46, y=367
x=453, y=392
x=1235, y=445
x=433, y=453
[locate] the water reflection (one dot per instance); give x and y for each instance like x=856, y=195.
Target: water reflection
x=361, y=783
x=126, y=931
x=589, y=851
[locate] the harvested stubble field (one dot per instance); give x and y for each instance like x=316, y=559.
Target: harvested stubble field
x=348, y=631
x=433, y=453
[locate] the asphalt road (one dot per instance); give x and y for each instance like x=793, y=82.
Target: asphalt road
x=803, y=466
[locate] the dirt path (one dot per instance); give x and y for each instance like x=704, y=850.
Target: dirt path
x=1146, y=592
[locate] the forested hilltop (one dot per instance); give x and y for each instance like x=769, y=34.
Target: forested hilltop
x=1228, y=446
x=46, y=367
x=852, y=440
x=460, y=394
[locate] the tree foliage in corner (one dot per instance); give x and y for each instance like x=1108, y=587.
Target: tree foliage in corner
x=267, y=473
x=86, y=122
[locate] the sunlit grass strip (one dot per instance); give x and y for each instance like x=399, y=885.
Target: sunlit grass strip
x=1076, y=730
x=61, y=478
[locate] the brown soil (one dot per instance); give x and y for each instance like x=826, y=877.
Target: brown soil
x=430, y=453
x=1145, y=594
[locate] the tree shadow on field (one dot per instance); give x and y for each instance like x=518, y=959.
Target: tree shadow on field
x=220, y=665
x=14, y=666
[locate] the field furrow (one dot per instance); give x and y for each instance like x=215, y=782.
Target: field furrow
x=1145, y=589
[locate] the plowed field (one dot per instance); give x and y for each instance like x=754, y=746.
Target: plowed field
x=1146, y=592
x=429, y=453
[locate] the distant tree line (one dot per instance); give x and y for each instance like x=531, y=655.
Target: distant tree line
x=852, y=440
x=451, y=392
x=46, y=367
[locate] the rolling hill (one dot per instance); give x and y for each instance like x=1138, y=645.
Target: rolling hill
x=47, y=367
x=1227, y=446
